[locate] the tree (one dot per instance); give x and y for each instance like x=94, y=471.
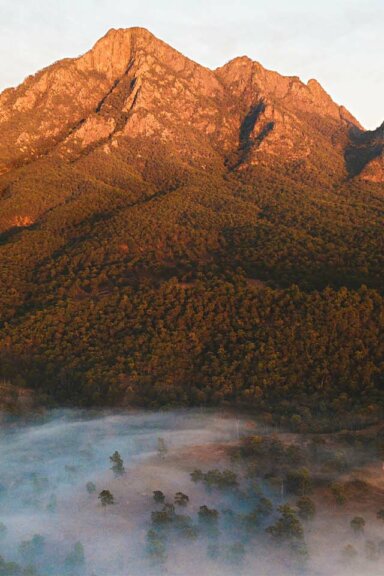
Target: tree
x=208, y=519
x=106, y=498
x=213, y=551
x=299, y=482
x=358, y=524
x=181, y=499
x=264, y=507
x=13, y=569
x=91, y=487
x=3, y=530
x=339, y=492
x=300, y=551
x=158, y=496
x=288, y=526
x=165, y=516
x=117, y=464
x=161, y=447
x=235, y=553
x=156, y=548
x=32, y=549
x=307, y=508
x=52, y=504
x=197, y=475
x=276, y=483
x=224, y=479
x=216, y=478
x=76, y=558
x=251, y=521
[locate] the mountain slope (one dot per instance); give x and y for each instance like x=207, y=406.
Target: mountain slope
x=365, y=154
x=131, y=89
x=154, y=216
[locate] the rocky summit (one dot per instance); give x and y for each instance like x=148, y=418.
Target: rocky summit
x=132, y=92
x=175, y=234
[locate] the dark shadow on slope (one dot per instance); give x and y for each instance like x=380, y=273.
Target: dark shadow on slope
x=13, y=233
x=363, y=147
x=246, y=141
x=248, y=125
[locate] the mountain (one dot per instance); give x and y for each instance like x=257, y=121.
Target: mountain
x=154, y=217
x=130, y=84
x=132, y=92
x=364, y=154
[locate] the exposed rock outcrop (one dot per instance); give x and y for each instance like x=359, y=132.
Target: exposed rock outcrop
x=132, y=87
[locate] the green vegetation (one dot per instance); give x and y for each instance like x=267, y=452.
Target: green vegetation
x=306, y=507
x=158, y=496
x=181, y=499
x=91, y=487
x=75, y=558
x=178, y=287
x=30, y=549
x=13, y=569
x=254, y=507
x=287, y=526
x=106, y=498
x=117, y=464
x=215, y=478
x=358, y=524
x=299, y=482
x=338, y=491
x=3, y=530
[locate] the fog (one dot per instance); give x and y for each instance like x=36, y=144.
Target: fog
x=51, y=522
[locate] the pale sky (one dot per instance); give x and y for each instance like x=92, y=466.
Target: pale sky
x=338, y=42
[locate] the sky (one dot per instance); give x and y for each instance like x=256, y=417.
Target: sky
x=338, y=42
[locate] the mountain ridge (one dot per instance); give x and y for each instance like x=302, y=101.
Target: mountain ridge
x=110, y=60
x=173, y=235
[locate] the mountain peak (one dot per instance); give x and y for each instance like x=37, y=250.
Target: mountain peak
x=112, y=53
x=131, y=84
x=128, y=35
x=238, y=62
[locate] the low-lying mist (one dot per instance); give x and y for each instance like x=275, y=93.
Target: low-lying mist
x=184, y=492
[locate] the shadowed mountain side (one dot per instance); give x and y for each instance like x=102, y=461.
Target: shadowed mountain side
x=364, y=154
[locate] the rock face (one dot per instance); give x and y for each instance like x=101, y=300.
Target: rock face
x=123, y=87
x=283, y=116
x=132, y=92
x=364, y=154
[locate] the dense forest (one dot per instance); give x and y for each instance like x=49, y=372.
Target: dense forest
x=260, y=290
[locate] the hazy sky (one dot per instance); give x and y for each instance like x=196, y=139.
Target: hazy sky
x=338, y=42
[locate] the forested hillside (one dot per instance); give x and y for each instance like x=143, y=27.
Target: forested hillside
x=172, y=235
